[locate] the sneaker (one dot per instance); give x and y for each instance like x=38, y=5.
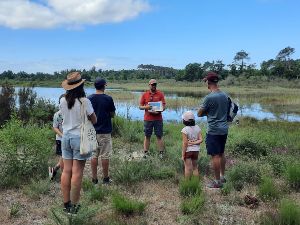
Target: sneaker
x=107, y=181
x=161, y=155
x=146, y=154
x=215, y=184
x=223, y=180
x=67, y=207
x=95, y=181
x=52, y=173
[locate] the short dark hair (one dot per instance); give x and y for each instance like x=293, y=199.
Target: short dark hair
x=189, y=122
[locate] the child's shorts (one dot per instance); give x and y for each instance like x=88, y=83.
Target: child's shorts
x=191, y=155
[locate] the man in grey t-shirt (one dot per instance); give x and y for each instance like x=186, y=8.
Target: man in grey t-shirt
x=215, y=106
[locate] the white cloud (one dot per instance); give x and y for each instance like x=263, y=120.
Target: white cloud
x=71, y=13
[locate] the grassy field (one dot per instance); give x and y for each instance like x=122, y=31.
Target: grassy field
x=263, y=173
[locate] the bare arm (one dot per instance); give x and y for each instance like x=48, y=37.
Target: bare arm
x=196, y=142
x=57, y=131
x=201, y=112
x=184, y=145
x=93, y=118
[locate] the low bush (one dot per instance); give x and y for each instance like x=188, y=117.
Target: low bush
x=24, y=152
x=127, y=206
x=87, y=184
x=37, y=188
x=97, y=194
x=227, y=188
x=190, y=186
x=250, y=148
x=293, y=175
x=14, y=209
x=192, y=204
x=278, y=163
x=289, y=212
x=267, y=189
x=244, y=173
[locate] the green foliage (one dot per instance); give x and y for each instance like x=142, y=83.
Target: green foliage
x=14, y=209
x=42, y=111
x=227, y=188
x=278, y=163
x=190, y=186
x=129, y=172
x=127, y=206
x=98, y=193
x=289, y=212
x=250, y=148
x=293, y=175
x=267, y=189
x=87, y=184
x=203, y=164
x=24, y=152
x=244, y=173
x=7, y=102
x=192, y=204
x=84, y=216
x=37, y=188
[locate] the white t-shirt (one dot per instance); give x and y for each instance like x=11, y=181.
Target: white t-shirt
x=192, y=133
x=71, y=117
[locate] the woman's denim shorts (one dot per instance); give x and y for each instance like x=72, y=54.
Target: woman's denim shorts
x=70, y=145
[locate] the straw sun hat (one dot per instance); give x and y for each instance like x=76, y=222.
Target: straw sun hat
x=73, y=81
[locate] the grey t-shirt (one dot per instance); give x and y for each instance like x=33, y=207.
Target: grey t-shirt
x=215, y=105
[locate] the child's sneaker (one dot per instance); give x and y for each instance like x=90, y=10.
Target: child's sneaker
x=106, y=181
x=52, y=173
x=223, y=179
x=95, y=181
x=146, y=154
x=215, y=184
x=161, y=155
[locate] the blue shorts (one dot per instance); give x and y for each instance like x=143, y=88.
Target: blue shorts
x=157, y=125
x=70, y=145
x=215, y=144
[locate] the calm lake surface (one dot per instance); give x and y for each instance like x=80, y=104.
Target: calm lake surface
x=129, y=108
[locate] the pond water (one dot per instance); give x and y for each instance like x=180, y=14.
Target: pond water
x=129, y=108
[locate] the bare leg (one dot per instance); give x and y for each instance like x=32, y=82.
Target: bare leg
x=94, y=164
x=146, y=143
x=195, y=168
x=188, y=168
x=66, y=179
x=105, y=166
x=223, y=162
x=216, y=165
x=160, y=144
x=77, y=173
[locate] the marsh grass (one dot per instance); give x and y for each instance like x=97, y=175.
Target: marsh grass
x=84, y=216
x=190, y=186
x=267, y=189
x=289, y=212
x=126, y=206
x=37, y=188
x=293, y=175
x=98, y=193
x=14, y=209
x=192, y=204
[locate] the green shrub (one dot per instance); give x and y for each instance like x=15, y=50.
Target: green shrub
x=190, y=186
x=293, y=175
x=7, y=102
x=267, y=189
x=24, y=152
x=127, y=206
x=289, y=213
x=84, y=216
x=203, y=165
x=227, y=188
x=37, y=188
x=97, y=194
x=244, y=173
x=14, y=209
x=87, y=184
x=278, y=163
x=192, y=204
x=250, y=148
x=133, y=171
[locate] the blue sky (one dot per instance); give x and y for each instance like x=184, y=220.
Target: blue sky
x=53, y=35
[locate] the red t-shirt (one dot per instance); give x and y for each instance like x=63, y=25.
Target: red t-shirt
x=152, y=97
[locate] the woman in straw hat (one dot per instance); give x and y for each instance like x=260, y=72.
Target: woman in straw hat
x=74, y=163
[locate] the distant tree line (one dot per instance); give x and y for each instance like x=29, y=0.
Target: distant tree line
x=282, y=66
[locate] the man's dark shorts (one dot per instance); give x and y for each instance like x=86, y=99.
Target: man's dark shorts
x=58, y=147
x=157, y=125
x=215, y=144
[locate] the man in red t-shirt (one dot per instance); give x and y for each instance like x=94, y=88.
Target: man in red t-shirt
x=153, y=117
